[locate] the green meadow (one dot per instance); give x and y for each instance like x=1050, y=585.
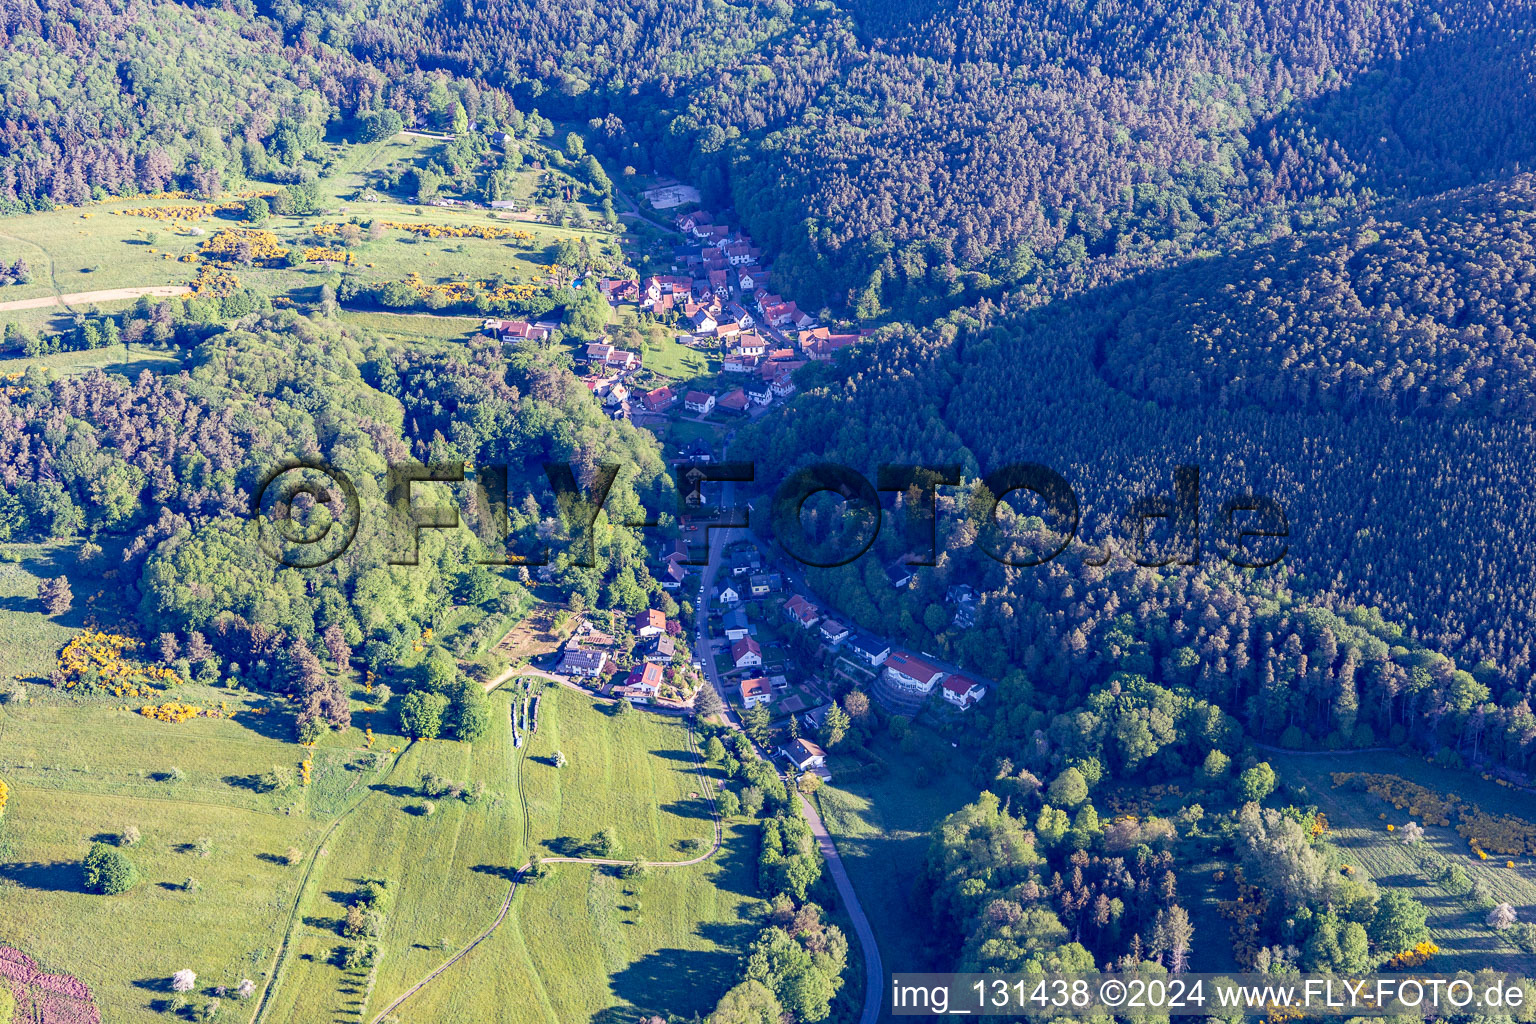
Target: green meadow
x=633, y=773
x=882, y=822
x=241, y=882
x=1359, y=821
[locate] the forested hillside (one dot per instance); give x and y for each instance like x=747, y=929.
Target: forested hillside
x=909, y=157
x=169, y=464
x=1369, y=379
x=121, y=97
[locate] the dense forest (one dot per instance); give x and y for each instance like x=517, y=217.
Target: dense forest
x=901, y=159
x=1289, y=244
x=120, y=97
x=167, y=466
x=909, y=158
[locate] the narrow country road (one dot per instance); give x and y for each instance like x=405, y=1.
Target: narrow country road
x=108, y=295
x=874, y=971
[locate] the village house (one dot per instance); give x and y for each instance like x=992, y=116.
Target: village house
x=745, y=560
x=697, y=450
x=871, y=650
x=719, y=283
x=734, y=624
x=516, y=330
x=617, y=291
x=759, y=392
x=802, y=612
x=618, y=394
x=643, y=683
x=747, y=280
x=659, y=399
x=622, y=361
x=728, y=333
x=751, y=345
x=737, y=312
x=650, y=623
x=729, y=594
x=782, y=314
x=822, y=349
x=702, y=322
x=758, y=585
x=733, y=401
x=755, y=691
x=963, y=597
x=699, y=402
x=783, y=385
x=585, y=664
x=899, y=575
x=911, y=673
x=833, y=633
x=805, y=756
x=963, y=691
x=740, y=364
x=662, y=650
x=672, y=573
x=672, y=288
x=745, y=653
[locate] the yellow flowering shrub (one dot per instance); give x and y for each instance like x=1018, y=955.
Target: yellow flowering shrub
x=1500, y=833
x=1418, y=956
x=98, y=662
x=1423, y=802
x=176, y=711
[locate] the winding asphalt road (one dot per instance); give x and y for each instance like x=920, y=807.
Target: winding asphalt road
x=874, y=971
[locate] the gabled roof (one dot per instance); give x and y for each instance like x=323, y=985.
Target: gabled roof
x=869, y=645
x=741, y=648
x=697, y=397
x=649, y=675
x=650, y=618
x=659, y=398
x=960, y=685
x=802, y=609
x=757, y=686
x=802, y=751
x=736, y=399
x=914, y=666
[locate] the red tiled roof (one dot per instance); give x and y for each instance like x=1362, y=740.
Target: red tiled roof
x=733, y=400
x=959, y=685
x=746, y=645
x=913, y=666
x=650, y=617
x=756, y=686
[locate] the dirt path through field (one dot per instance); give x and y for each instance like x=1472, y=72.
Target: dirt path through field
x=109, y=295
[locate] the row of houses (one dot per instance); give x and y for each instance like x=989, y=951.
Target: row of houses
x=904, y=679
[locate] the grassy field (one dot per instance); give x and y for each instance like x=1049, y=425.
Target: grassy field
x=882, y=826
x=1360, y=836
x=103, y=246
x=632, y=773
x=442, y=328
x=447, y=871
x=29, y=639
x=83, y=771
